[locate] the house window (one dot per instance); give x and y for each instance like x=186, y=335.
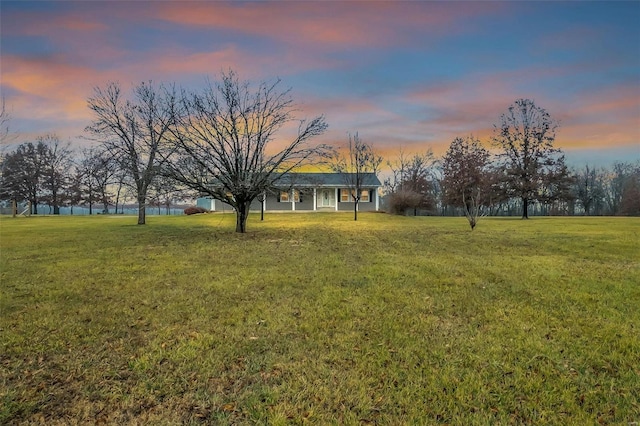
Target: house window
x=348, y=195
x=296, y=196
x=284, y=197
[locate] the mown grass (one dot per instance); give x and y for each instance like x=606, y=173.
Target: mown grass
x=315, y=319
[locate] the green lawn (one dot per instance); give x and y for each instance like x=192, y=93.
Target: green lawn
x=316, y=319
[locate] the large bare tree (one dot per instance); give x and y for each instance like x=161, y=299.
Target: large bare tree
x=357, y=165
x=224, y=141
x=134, y=131
x=525, y=136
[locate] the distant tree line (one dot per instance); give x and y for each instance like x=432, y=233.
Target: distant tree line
x=50, y=173
x=160, y=146
x=526, y=175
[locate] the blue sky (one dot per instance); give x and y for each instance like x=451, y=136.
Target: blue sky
x=405, y=75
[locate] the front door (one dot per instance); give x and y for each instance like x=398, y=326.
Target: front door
x=326, y=198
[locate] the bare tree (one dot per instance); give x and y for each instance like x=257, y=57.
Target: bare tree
x=412, y=182
x=357, y=166
x=615, y=182
x=589, y=189
x=223, y=138
x=4, y=125
x=525, y=135
x=165, y=191
x=23, y=172
x=556, y=187
x=134, y=131
x=95, y=173
x=465, y=179
x=630, y=202
x=56, y=165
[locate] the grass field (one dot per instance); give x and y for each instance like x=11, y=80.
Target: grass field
x=315, y=319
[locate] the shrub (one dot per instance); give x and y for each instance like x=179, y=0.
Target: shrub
x=402, y=202
x=195, y=210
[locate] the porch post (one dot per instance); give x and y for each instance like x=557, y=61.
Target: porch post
x=293, y=200
x=375, y=194
x=315, y=200
x=336, y=199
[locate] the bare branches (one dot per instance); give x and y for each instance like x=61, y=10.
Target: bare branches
x=412, y=182
x=221, y=139
x=135, y=131
x=6, y=135
x=466, y=177
x=359, y=161
x=525, y=135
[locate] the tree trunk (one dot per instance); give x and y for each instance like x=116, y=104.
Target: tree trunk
x=54, y=197
x=262, y=208
x=118, y=197
x=14, y=208
x=525, y=208
x=242, y=213
x=355, y=211
x=90, y=200
x=141, y=211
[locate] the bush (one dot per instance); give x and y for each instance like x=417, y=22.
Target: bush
x=195, y=210
x=402, y=202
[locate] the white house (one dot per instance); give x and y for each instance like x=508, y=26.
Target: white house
x=311, y=192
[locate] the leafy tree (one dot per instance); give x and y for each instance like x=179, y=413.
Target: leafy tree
x=134, y=131
x=359, y=162
x=465, y=180
x=223, y=141
x=525, y=136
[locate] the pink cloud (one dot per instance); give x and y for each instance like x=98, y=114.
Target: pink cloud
x=325, y=23
x=609, y=117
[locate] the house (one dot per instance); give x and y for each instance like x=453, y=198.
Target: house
x=311, y=192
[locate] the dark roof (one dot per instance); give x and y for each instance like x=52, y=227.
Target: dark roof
x=326, y=179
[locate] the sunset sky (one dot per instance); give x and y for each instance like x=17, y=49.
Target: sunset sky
x=410, y=75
